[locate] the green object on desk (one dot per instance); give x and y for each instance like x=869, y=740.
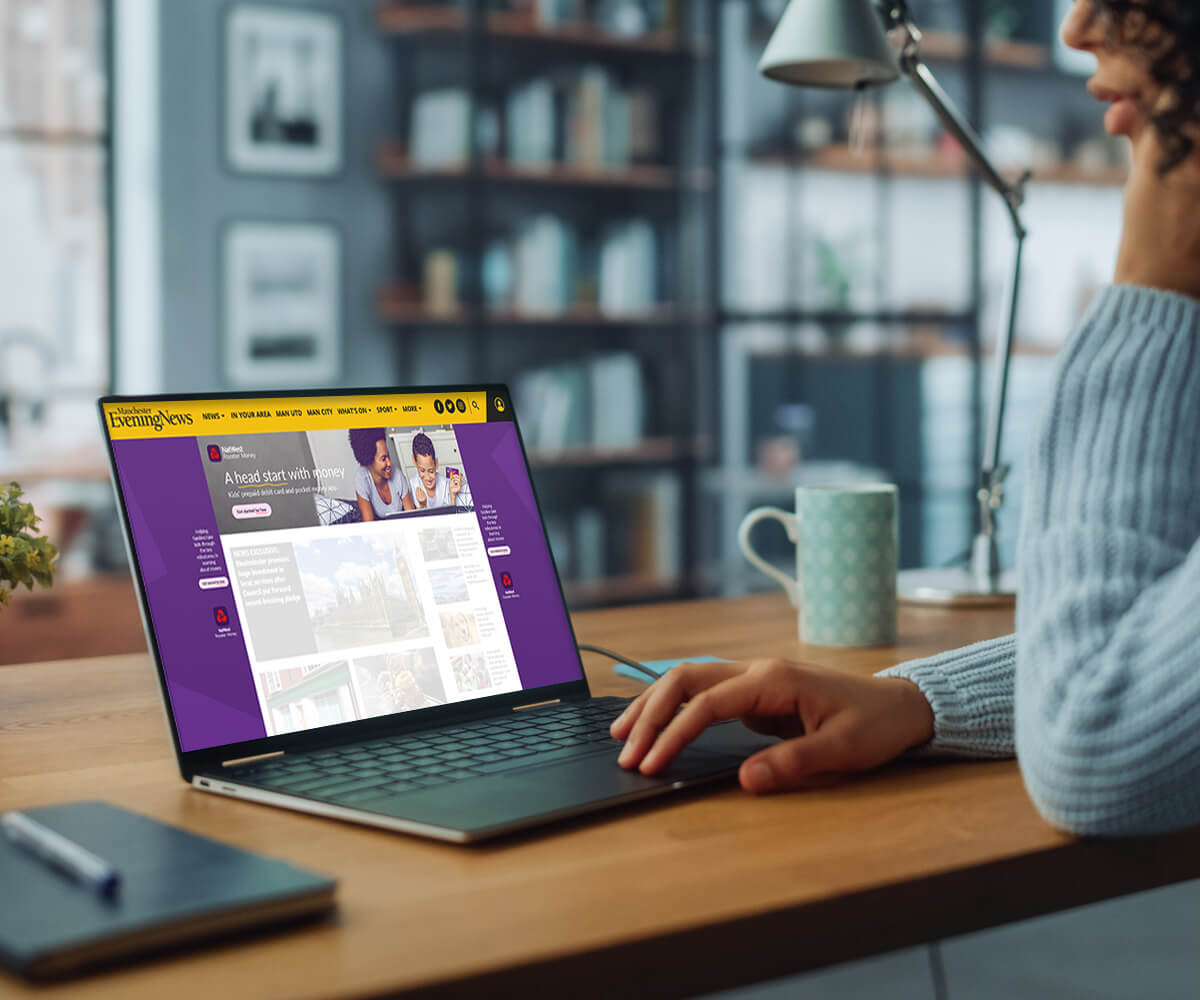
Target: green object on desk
x=175, y=887
x=660, y=667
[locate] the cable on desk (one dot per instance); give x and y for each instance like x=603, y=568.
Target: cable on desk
x=641, y=668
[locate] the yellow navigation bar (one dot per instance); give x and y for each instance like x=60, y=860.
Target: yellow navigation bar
x=267, y=415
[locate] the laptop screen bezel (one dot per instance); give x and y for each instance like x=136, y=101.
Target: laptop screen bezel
x=192, y=761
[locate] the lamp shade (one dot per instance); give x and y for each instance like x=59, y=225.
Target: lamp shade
x=830, y=43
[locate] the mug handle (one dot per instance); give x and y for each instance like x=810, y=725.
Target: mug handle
x=789, y=522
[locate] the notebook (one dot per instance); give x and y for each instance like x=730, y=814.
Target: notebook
x=405, y=659
x=175, y=887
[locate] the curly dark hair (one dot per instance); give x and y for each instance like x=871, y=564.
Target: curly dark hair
x=422, y=445
x=1168, y=32
x=362, y=443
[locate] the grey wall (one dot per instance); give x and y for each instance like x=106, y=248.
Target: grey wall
x=200, y=193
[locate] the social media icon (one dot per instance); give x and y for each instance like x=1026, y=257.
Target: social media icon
x=214, y=453
x=460, y=405
x=439, y=406
x=498, y=402
x=221, y=616
x=506, y=581
x=449, y=405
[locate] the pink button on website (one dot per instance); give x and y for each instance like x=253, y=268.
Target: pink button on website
x=245, y=510
x=499, y=550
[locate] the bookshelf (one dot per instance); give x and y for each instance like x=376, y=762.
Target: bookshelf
x=395, y=164
x=552, y=190
x=841, y=158
x=399, y=306
x=398, y=19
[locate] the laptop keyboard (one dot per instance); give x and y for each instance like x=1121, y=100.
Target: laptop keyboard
x=397, y=764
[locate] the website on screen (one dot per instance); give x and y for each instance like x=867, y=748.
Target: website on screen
x=309, y=562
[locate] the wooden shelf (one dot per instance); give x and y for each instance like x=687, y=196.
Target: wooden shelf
x=1069, y=173
x=398, y=308
x=403, y=19
x=394, y=164
x=997, y=51
x=843, y=159
x=651, y=451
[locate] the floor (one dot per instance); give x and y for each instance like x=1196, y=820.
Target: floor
x=1146, y=945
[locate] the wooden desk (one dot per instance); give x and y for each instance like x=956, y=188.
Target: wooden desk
x=675, y=899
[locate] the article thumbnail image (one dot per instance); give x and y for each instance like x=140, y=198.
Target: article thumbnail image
x=460, y=628
x=359, y=592
x=317, y=694
x=432, y=464
x=399, y=682
x=437, y=544
x=470, y=673
x=449, y=585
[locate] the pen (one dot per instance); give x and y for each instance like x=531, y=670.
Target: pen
x=60, y=852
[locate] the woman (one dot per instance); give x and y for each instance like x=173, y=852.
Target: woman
x=379, y=488
x=1098, y=693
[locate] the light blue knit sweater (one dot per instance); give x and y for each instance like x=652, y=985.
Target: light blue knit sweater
x=1099, y=690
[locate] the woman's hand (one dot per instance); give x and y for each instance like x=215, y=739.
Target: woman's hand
x=831, y=722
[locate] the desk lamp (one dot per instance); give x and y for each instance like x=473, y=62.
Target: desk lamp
x=844, y=44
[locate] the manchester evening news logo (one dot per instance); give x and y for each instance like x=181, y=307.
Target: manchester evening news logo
x=157, y=419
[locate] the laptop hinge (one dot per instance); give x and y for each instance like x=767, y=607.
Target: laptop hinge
x=536, y=704
x=247, y=760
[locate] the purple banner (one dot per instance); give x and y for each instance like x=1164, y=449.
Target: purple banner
x=193, y=615
x=529, y=599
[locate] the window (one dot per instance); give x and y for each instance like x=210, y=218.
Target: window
x=53, y=213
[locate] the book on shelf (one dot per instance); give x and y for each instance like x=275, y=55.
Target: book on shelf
x=622, y=18
x=590, y=555
x=618, y=405
x=530, y=123
x=441, y=282
x=597, y=402
x=440, y=131
x=643, y=126
x=545, y=257
x=628, y=263
x=584, y=119
x=553, y=406
x=634, y=533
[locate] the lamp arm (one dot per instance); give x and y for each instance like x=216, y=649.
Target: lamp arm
x=924, y=82
x=985, y=562
x=896, y=18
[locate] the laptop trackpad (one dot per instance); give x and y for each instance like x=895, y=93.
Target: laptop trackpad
x=481, y=805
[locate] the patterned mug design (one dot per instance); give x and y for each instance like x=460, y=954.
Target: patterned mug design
x=847, y=551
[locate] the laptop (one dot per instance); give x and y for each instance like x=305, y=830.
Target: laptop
x=333, y=638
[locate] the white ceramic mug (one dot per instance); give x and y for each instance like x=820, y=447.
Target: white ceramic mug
x=847, y=542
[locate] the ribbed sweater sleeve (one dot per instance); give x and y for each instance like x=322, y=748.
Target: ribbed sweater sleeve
x=1105, y=715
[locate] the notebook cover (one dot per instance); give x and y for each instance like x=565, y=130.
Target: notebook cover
x=176, y=886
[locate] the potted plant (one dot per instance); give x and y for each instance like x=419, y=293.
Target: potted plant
x=25, y=555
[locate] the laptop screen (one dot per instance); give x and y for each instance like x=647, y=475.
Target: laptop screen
x=309, y=561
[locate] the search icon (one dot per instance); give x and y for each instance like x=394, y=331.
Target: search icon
x=474, y=404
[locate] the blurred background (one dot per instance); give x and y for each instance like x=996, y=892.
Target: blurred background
x=704, y=288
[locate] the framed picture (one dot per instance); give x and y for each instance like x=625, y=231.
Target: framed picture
x=283, y=91
x=282, y=304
